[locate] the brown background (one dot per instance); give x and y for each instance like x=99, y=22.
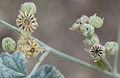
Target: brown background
x=54, y=18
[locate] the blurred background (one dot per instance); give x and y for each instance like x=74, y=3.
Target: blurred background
x=54, y=18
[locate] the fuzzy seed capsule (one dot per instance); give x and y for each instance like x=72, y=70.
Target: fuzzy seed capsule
x=96, y=21
x=29, y=7
x=8, y=44
x=84, y=19
x=111, y=47
x=76, y=26
x=92, y=40
x=87, y=30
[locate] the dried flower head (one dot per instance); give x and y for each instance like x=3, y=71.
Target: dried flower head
x=24, y=48
x=30, y=48
x=97, y=51
x=26, y=21
x=23, y=39
x=35, y=48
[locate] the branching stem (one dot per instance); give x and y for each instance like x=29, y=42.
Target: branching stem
x=115, y=60
x=65, y=56
x=107, y=64
x=43, y=56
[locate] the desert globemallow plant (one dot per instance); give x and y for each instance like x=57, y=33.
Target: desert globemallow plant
x=13, y=65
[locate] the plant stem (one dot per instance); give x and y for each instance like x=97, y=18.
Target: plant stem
x=10, y=26
x=77, y=61
x=107, y=64
x=115, y=60
x=43, y=56
x=65, y=56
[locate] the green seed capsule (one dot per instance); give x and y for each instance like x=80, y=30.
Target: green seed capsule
x=29, y=7
x=92, y=40
x=87, y=30
x=96, y=21
x=8, y=44
x=111, y=47
x=76, y=26
x=84, y=19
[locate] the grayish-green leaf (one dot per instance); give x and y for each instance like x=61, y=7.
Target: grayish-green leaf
x=12, y=66
x=47, y=71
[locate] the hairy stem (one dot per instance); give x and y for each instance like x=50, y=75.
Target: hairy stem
x=107, y=64
x=75, y=60
x=115, y=60
x=65, y=56
x=43, y=56
x=10, y=26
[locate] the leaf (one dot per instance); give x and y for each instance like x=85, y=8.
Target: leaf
x=47, y=71
x=12, y=66
x=101, y=64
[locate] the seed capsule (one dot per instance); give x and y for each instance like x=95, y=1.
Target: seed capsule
x=92, y=40
x=96, y=21
x=76, y=26
x=111, y=47
x=84, y=19
x=87, y=30
x=8, y=44
x=26, y=22
x=97, y=51
x=29, y=7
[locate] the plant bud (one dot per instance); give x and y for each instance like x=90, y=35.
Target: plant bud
x=76, y=26
x=8, y=44
x=29, y=7
x=111, y=47
x=96, y=21
x=84, y=19
x=87, y=30
x=90, y=41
